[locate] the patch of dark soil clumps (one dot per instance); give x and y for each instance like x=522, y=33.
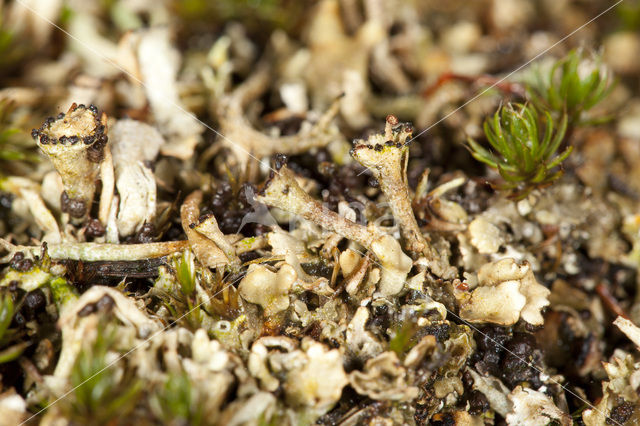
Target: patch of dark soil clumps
x=230, y=208
x=514, y=358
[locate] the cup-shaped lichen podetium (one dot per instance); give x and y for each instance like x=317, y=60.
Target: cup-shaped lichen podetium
x=74, y=142
x=282, y=191
x=386, y=155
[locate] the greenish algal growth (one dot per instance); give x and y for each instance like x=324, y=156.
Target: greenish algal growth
x=524, y=148
x=255, y=14
x=63, y=292
x=629, y=14
x=29, y=280
x=228, y=332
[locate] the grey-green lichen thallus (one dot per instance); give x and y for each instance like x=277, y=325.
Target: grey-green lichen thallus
x=74, y=142
x=386, y=155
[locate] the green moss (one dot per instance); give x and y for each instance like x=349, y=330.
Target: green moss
x=185, y=272
x=403, y=338
x=15, y=142
x=98, y=393
x=524, y=148
x=574, y=85
x=176, y=401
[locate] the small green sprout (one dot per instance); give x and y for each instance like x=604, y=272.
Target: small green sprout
x=186, y=272
x=15, y=46
x=185, y=282
x=7, y=335
x=525, y=150
x=264, y=14
x=403, y=337
x=573, y=85
x=6, y=315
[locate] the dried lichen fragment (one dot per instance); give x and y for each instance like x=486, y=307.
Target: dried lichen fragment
x=245, y=141
x=534, y=408
x=494, y=390
x=506, y=292
x=349, y=261
x=207, y=252
x=91, y=252
x=338, y=62
x=485, y=236
x=133, y=146
x=415, y=356
x=500, y=304
x=155, y=62
x=622, y=387
x=26, y=189
x=319, y=382
x=29, y=281
x=76, y=327
x=356, y=277
x=268, y=289
x=74, y=142
x=257, y=363
x=624, y=377
x=442, y=214
x=283, y=191
x=360, y=342
x=261, y=405
x=13, y=408
x=394, y=263
x=209, y=228
x=384, y=378
x=125, y=309
x=629, y=329
x=386, y=156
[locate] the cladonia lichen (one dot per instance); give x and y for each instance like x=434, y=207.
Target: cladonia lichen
x=282, y=191
x=506, y=292
x=74, y=142
x=268, y=289
x=386, y=155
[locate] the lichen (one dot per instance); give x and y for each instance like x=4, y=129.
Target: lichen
x=506, y=292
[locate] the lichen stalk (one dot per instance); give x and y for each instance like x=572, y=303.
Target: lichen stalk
x=386, y=156
x=74, y=142
x=282, y=191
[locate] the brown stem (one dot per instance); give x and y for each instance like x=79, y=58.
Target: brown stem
x=610, y=302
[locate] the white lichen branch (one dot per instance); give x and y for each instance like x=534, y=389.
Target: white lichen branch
x=386, y=156
x=282, y=191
